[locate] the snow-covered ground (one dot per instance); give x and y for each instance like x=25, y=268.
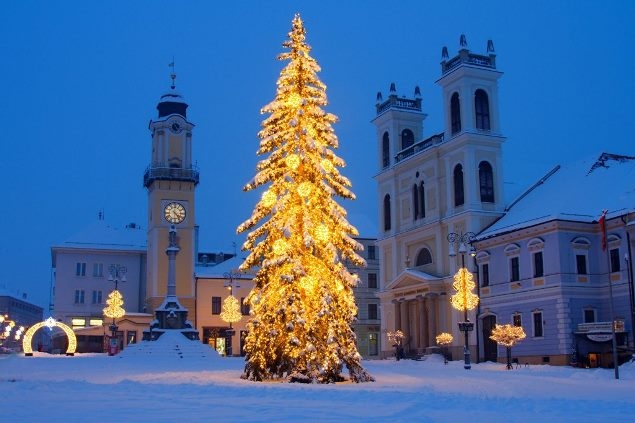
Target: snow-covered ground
x=191, y=384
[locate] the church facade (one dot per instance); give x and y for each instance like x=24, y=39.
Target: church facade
x=428, y=188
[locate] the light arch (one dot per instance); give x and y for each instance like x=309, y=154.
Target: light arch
x=50, y=323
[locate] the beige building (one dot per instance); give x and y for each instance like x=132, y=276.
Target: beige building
x=431, y=186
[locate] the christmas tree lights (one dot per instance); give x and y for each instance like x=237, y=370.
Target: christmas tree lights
x=231, y=310
x=114, y=305
x=508, y=336
x=302, y=305
x=464, y=299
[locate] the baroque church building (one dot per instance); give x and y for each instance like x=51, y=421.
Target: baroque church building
x=428, y=188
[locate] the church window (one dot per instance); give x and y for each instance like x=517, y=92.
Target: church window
x=459, y=195
x=486, y=182
x=407, y=138
x=455, y=113
x=481, y=107
x=385, y=150
x=423, y=257
x=422, y=201
x=415, y=201
x=387, y=212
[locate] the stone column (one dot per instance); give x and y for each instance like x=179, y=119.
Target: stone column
x=417, y=325
x=426, y=327
x=433, y=319
x=405, y=323
x=397, y=314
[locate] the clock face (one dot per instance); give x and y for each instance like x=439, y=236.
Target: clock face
x=175, y=127
x=174, y=212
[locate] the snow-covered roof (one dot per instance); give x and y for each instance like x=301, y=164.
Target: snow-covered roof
x=218, y=271
x=574, y=192
x=172, y=97
x=102, y=236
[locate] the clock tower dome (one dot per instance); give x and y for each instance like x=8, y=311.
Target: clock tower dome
x=171, y=179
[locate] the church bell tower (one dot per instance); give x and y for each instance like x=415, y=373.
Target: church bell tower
x=171, y=179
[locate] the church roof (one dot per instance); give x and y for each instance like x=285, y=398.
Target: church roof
x=578, y=191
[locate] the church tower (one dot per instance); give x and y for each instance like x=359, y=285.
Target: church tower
x=171, y=179
x=429, y=187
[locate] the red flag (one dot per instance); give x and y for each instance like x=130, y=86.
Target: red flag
x=602, y=222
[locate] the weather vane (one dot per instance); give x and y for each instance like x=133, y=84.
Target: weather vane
x=172, y=74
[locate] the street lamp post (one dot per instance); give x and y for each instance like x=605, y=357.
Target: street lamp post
x=231, y=309
x=463, y=283
x=117, y=273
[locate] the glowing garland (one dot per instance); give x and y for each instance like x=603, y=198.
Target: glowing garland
x=50, y=323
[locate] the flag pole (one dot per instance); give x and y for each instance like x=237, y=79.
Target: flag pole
x=608, y=272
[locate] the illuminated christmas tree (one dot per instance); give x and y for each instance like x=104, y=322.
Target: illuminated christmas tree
x=302, y=304
x=231, y=310
x=508, y=336
x=114, y=305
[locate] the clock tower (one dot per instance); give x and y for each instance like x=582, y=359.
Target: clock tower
x=171, y=179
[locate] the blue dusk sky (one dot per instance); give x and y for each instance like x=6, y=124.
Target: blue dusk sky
x=81, y=80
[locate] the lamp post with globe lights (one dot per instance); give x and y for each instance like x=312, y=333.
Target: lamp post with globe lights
x=464, y=299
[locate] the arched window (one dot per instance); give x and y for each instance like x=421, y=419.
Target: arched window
x=415, y=201
x=481, y=108
x=422, y=201
x=407, y=138
x=387, y=212
x=424, y=257
x=459, y=195
x=385, y=150
x=455, y=113
x=486, y=182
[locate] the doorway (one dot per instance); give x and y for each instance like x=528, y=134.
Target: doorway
x=490, y=348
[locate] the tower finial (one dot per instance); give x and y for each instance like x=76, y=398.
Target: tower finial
x=172, y=74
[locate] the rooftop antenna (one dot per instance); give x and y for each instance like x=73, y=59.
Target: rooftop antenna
x=172, y=74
